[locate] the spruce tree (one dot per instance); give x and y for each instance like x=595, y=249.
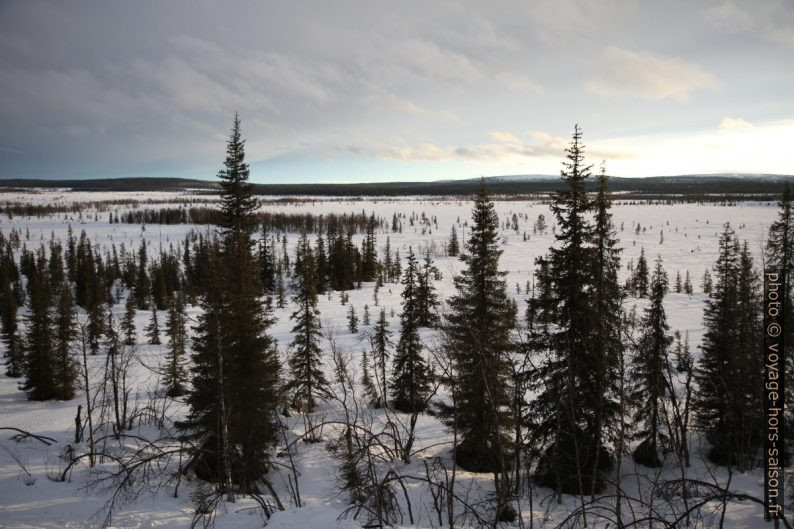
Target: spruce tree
x=570, y=396
x=128, y=321
x=396, y=272
x=236, y=368
x=729, y=374
x=426, y=297
x=410, y=382
x=641, y=279
x=307, y=382
x=96, y=325
x=540, y=225
x=605, y=325
x=253, y=359
x=370, y=392
x=352, y=320
x=751, y=369
x=381, y=345
x=707, y=283
x=648, y=373
x=40, y=382
x=152, y=330
x=176, y=331
x=388, y=266
x=206, y=424
x=369, y=254
x=478, y=329
x=322, y=265
x=142, y=288
x=65, y=334
x=280, y=293
x=687, y=284
x=9, y=333
x=267, y=266
x=453, y=248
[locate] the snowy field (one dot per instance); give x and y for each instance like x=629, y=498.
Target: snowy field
x=29, y=498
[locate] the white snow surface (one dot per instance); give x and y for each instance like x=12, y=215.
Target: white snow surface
x=690, y=243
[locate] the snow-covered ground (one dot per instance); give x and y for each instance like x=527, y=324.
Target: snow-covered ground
x=29, y=498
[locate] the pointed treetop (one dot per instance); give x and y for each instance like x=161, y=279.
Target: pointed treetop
x=238, y=203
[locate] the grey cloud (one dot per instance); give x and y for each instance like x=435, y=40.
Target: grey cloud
x=771, y=20
x=100, y=88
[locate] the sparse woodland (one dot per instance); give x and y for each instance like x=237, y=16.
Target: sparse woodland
x=469, y=407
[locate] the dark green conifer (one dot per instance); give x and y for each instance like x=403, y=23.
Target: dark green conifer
x=307, y=381
x=410, y=382
x=479, y=328
x=649, y=370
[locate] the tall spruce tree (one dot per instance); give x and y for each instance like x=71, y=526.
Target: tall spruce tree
x=307, y=381
x=606, y=324
x=649, y=368
x=570, y=398
x=206, y=423
x=478, y=329
x=236, y=368
x=751, y=371
x=9, y=324
x=369, y=253
x=40, y=382
x=730, y=372
x=410, y=374
x=65, y=334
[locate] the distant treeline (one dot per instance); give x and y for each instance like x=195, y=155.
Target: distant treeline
x=698, y=189
x=27, y=209
x=275, y=222
x=112, y=184
x=705, y=188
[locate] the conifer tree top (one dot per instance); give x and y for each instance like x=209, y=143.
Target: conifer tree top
x=237, y=201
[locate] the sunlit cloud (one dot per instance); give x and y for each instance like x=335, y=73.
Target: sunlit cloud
x=735, y=147
x=735, y=124
x=649, y=75
x=506, y=147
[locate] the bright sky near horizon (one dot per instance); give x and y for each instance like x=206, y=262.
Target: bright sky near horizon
x=380, y=91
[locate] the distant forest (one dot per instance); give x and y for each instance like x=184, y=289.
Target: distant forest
x=690, y=188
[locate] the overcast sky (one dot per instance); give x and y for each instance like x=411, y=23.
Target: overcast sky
x=377, y=91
